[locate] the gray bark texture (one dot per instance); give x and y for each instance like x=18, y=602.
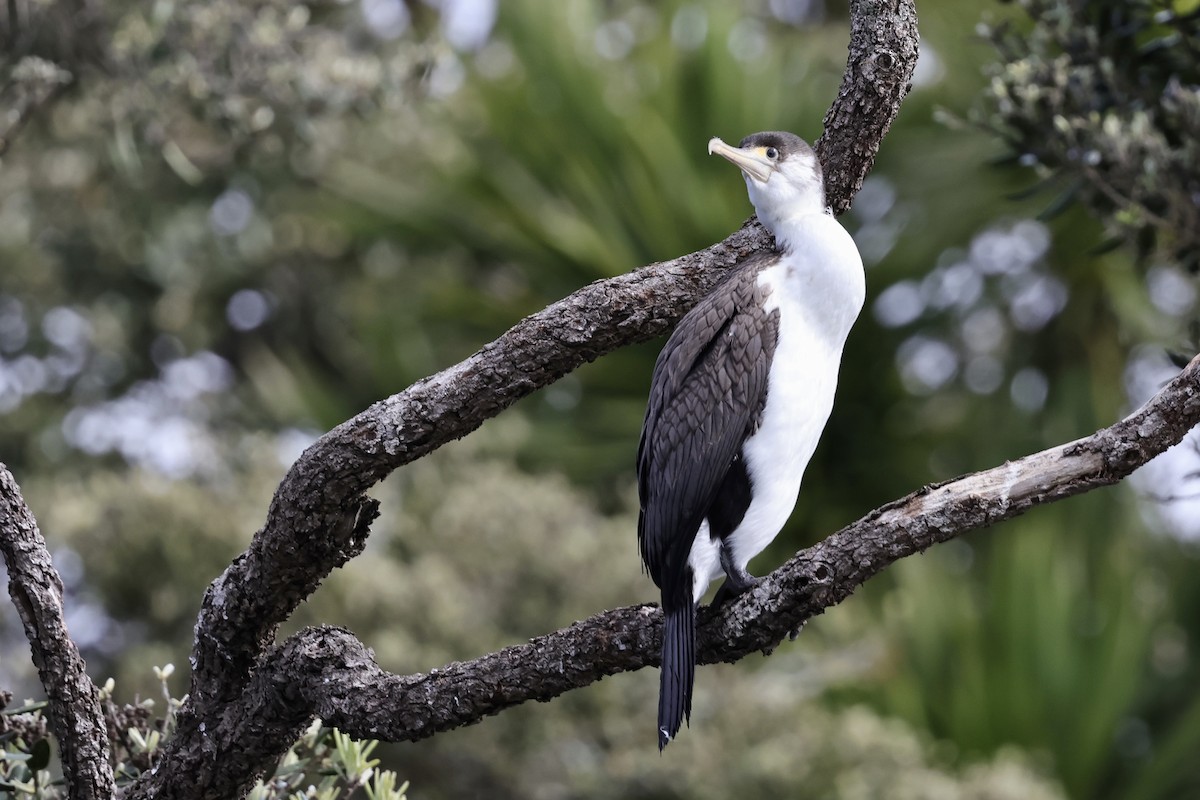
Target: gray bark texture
x=320, y=515
x=37, y=592
x=326, y=672
x=251, y=695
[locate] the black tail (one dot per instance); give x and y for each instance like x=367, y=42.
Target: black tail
x=678, y=670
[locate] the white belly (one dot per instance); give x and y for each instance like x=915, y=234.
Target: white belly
x=800, y=392
x=816, y=309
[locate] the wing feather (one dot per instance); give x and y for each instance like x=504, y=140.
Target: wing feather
x=709, y=385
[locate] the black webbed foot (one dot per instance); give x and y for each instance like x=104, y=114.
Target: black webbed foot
x=737, y=580
x=732, y=589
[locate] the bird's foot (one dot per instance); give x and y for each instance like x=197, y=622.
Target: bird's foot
x=732, y=589
x=737, y=580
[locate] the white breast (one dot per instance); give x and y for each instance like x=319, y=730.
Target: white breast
x=818, y=289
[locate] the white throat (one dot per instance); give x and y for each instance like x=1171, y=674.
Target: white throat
x=791, y=227
x=782, y=208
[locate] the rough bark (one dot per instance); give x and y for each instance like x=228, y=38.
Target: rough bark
x=326, y=672
x=250, y=697
x=879, y=70
x=320, y=516
x=37, y=592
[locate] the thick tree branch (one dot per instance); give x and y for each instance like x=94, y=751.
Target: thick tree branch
x=328, y=673
x=320, y=516
x=37, y=592
x=250, y=698
x=878, y=76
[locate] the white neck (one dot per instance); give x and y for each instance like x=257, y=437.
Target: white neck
x=787, y=229
x=785, y=201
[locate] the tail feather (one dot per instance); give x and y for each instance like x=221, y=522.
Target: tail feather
x=678, y=672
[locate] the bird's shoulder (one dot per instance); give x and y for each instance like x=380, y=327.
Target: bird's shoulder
x=733, y=308
x=710, y=381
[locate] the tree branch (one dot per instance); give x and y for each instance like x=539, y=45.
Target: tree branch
x=320, y=516
x=37, y=592
x=883, y=54
x=250, y=698
x=326, y=672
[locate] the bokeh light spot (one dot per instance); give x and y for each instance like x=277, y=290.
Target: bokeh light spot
x=247, y=309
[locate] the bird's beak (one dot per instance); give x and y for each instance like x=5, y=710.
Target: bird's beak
x=752, y=161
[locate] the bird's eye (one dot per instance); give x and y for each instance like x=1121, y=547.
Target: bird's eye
x=772, y=153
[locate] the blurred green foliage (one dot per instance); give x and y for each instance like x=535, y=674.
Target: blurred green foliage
x=212, y=252
x=1116, y=82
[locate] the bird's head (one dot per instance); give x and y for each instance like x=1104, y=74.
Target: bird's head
x=783, y=175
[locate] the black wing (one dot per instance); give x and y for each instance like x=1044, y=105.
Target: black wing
x=709, y=386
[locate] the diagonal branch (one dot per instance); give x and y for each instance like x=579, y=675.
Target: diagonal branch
x=320, y=516
x=878, y=76
x=37, y=592
x=326, y=672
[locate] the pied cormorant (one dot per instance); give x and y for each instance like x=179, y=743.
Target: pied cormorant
x=739, y=397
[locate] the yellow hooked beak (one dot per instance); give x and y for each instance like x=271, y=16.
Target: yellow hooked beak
x=751, y=160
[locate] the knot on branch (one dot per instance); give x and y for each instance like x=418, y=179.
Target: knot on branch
x=1124, y=456
x=310, y=666
x=884, y=71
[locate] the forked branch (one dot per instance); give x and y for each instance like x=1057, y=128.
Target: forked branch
x=326, y=672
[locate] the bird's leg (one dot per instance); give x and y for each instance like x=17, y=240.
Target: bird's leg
x=737, y=580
